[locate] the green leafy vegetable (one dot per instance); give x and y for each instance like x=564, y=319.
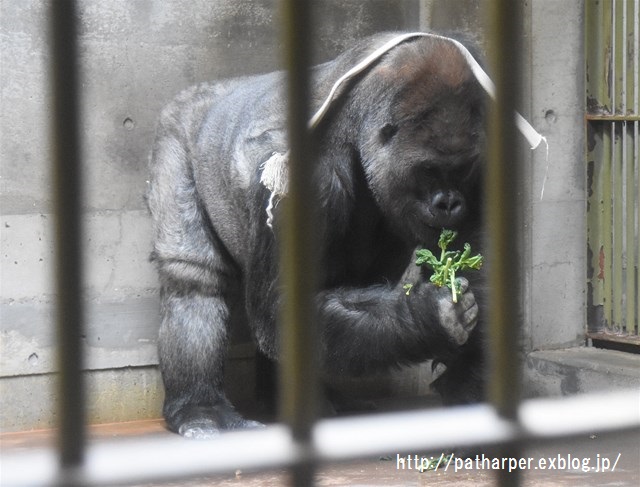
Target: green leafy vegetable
x=433, y=463
x=450, y=261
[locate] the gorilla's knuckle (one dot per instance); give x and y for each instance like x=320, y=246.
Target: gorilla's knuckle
x=464, y=284
x=471, y=318
x=467, y=300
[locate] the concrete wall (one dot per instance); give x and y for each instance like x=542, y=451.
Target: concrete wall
x=135, y=56
x=558, y=217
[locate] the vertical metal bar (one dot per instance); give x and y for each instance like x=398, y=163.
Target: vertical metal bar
x=607, y=149
x=67, y=195
x=614, y=50
x=629, y=176
x=595, y=224
x=596, y=93
x=298, y=257
x=617, y=156
x=610, y=214
x=503, y=212
x=613, y=85
x=636, y=154
x=623, y=58
x=626, y=196
x=617, y=136
x=504, y=215
x=631, y=234
x=596, y=37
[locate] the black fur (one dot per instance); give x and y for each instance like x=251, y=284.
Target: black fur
x=400, y=157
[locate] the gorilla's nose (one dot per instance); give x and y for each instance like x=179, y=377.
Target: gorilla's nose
x=448, y=207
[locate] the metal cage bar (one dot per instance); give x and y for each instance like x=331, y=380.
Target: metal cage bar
x=636, y=147
x=503, y=183
x=298, y=369
x=67, y=186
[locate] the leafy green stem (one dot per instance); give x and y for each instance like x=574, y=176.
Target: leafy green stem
x=451, y=261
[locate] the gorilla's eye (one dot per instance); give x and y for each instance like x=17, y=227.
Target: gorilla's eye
x=387, y=132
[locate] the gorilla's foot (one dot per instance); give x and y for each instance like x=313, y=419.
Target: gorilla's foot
x=199, y=429
x=205, y=423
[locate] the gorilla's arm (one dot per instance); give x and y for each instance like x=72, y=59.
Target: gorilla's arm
x=372, y=328
x=380, y=326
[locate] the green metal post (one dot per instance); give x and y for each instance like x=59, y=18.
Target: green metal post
x=596, y=92
x=636, y=152
x=504, y=216
x=298, y=255
x=631, y=162
x=617, y=136
x=599, y=41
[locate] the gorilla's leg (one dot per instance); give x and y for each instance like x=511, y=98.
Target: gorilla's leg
x=192, y=348
x=196, y=276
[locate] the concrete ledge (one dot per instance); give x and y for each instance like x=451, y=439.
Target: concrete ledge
x=29, y=402
x=131, y=393
x=577, y=370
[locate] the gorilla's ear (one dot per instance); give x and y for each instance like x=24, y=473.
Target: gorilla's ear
x=387, y=132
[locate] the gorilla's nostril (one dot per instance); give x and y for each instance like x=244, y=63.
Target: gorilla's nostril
x=455, y=205
x=447, y=202
x=440, y=202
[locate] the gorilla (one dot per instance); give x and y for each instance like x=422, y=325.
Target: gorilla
x=400, y=156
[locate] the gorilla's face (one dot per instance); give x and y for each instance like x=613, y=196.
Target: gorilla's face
x=424, y=161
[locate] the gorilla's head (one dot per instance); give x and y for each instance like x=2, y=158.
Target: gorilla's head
x=423, y=139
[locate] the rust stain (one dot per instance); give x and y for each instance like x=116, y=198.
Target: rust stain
x=601, y=264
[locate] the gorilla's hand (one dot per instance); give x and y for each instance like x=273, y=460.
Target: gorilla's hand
x=428, y=302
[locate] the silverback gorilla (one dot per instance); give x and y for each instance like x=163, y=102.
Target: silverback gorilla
x=400, y=158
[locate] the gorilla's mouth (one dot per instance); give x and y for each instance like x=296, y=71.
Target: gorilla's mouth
x=439, y=220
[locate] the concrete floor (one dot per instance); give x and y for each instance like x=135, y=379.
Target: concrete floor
x=565, y=464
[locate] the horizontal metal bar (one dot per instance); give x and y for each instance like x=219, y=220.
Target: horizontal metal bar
x=131, y=461
x=612, y=118
x=628, y=338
